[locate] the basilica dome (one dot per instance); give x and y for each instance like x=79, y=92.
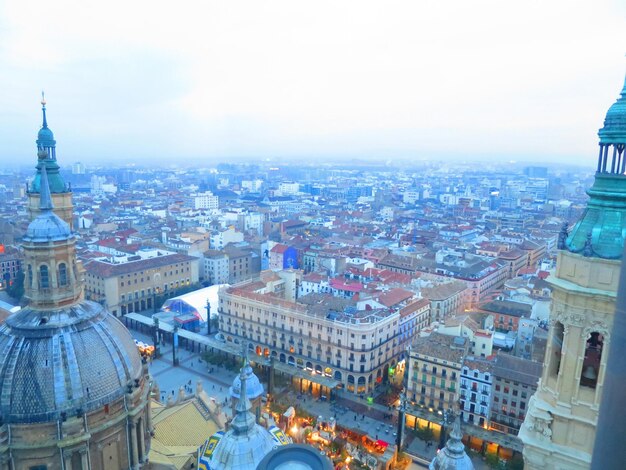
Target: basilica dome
x=47, y=227
x=64, y=362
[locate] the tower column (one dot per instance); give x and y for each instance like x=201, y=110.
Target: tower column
x=134, y=457
x=141, y=440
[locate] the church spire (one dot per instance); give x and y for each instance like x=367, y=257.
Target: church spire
x=43, y=109
x=45, y=199
x=244, y=419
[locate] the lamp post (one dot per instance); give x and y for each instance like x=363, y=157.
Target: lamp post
x=208, y=317
x=403, y=401
x=155, y=337
x=448, y=418
x=175, y=345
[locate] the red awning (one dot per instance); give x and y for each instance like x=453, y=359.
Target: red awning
x=381, y=443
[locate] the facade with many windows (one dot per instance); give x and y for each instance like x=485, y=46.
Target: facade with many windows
x=476, y=381
x=514, y=382
x=319, y=333
x=435, y=364
x=130, y=284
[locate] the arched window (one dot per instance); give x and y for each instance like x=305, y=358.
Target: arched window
x=557, y=348
x=30, y=276
x=591, y=363
x=44, y=279
x=62, y=274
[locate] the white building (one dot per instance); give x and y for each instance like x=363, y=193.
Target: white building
x=215, y=267
x=253, y=186
x=476, y=381
x=206, y=200
x=411, y=196
x=288, y=188
x=221, y=238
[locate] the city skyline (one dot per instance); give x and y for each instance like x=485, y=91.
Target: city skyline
x=246, y=81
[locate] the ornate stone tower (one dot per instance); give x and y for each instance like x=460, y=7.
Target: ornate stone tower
x=60, y=191
x=559, y=429
x=52, y=279
x=74, y=391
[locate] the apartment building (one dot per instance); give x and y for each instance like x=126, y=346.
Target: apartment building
x=480, y=339
x=435, y=363
x=206, y=200
x=476, y=384
x=321, y=334
x=223, y=237
x=10, y=265
x=128, y=284
x=215, y=267
x=514, y=382
x=446, y=299
x=507, y=314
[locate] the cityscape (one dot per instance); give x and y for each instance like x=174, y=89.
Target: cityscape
x=310, y=299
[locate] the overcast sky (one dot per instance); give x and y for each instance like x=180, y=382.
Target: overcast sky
x=419, y=79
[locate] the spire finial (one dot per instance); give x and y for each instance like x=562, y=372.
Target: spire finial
x=43, y=109
x=243, y=419
x=45, y=199
x=244, y=352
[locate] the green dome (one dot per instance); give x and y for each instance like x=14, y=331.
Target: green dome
x=601, y=231
x=57, y=183
x=614, y=130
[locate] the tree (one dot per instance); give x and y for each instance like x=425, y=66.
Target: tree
x=16, y=288
x=492, y=460
x=516, y=463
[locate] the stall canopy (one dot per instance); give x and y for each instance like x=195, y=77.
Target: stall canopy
x=192, y=302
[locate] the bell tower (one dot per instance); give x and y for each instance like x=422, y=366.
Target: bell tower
x=53, y=278
x=60, y=192
x=559, y=429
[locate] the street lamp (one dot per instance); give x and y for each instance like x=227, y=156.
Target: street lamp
x=175, y=345
x=448, y=418
x=156, y=337
x=208, y=317
x=403, y=400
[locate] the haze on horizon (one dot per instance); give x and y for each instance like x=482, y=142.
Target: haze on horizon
x=133, y=81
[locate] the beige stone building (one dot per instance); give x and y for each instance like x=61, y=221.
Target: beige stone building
x=130, y=283
x=318, y=333
x=435, y=363
x=446, y=299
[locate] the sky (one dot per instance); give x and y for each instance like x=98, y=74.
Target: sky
x=140, y=81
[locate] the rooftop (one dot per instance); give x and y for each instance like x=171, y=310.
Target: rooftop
x=517, y=369
x=443, y=347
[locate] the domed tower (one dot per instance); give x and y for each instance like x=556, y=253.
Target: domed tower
x=559, y=429
x=46, y=157
x=73, y=389
x=254, y=388
x=246, y=443
x=453, y=456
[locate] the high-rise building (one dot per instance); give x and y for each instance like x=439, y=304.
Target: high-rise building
x=560, y=426
x=59, y=190
x=74, y=390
